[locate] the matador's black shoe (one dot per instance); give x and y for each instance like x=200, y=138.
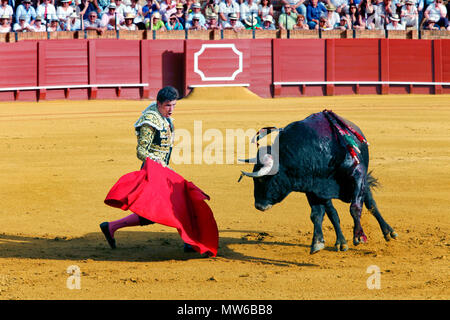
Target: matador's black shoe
x=188, y=248
x=105, y=229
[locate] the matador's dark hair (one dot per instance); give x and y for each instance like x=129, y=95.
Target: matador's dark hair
x=167, y=94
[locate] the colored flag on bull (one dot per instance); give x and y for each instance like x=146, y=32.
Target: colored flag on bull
x=163, y=196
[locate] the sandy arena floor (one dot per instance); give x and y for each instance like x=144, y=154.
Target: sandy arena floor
x=59, y=159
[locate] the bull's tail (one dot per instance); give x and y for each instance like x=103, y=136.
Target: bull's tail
x=372, y=182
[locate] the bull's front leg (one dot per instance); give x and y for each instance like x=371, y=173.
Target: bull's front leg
x=317, y=214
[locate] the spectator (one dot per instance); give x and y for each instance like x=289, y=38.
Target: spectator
x=112, y=20
x=87, y=6
x=53, y=25
x=102, y=6
x=313, y=12
x=73, y=23
x=252, y=22
x=344, y=24
x=355, y=19
x=288, y=19
x=212, y=22
x=6, y=9
x=64, y=10
x=379, y=17
x=25, y=8
x=46, y=10
x=120, y=7
x=136, y=9
x=409, y=15
x=166, y=8
x=93, y=23
x=5, y=25
x=333, y=17
x=268, y=23
x=195, y=23
x=395, y=23
x=156, y=22
x=437, y=13
x=419, y=4
x=234, y=23
x=129, y=22
x=248, y=8
x=148, y=10
x=297, y=6
x=265, y=8
x=180, y=14
x=226, y=8
x=342, y=6
x=38, y=26
x=301, y=23
x=174, y=23
x=22, y=25
x=210, y=8
x=196, y=7
x=324, y=24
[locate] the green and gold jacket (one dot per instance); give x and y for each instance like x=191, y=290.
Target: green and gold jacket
x=154, y=135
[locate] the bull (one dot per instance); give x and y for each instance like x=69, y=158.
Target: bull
x=326, y=157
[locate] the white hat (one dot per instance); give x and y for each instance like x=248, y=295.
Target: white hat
x=232, y=16
x=251, y=20
x=196, y=16
x=268, y=18
x=112, y=5
x=156, y=15
x=394, y=17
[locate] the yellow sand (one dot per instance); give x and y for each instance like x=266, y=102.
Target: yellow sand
x=60, y=158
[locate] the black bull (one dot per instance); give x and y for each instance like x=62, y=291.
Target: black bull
x=314, y=156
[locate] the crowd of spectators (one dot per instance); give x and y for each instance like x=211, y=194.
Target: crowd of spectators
x=101, y=15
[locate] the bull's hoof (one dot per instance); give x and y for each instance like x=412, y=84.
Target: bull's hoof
x=359, y=240
x=341, y=246
x=316, y=247
x=392, y=234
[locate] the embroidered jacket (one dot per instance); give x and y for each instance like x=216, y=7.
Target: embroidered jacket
x=154, y=135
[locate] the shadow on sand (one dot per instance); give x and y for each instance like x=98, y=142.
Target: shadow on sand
x=135, y=246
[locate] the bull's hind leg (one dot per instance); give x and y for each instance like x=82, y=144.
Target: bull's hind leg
x=359, y=174
x=341, y=243
x=372, y=207
x=317, y=214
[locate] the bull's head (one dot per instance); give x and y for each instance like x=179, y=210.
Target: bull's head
x=269, y=179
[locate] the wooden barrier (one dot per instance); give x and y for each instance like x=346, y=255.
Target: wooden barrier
x=86, y=68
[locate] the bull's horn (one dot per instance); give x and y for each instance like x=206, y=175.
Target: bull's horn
x=251, y=160
x=268, y=164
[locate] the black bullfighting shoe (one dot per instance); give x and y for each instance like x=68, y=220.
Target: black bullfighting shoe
x=188, y=248
x=105, y=229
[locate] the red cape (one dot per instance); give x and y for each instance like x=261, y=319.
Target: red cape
x=163, y=196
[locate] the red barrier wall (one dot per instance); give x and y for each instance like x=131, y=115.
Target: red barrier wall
x=111, y=69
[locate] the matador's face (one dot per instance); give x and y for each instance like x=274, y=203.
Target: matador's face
x=166, y=108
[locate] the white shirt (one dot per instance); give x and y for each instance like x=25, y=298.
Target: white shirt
x=8, y=10
x=51, y=11
x=247, y=9
x=64, y=14
x=434, y=13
